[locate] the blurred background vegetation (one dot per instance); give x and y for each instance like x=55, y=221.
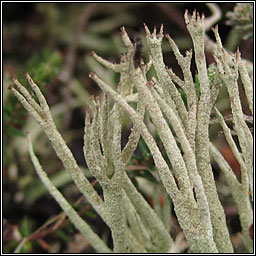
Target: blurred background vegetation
x=52, y=42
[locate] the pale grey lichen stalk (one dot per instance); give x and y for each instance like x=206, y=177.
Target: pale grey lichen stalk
x=183, y=129
x=195, y=26
x=78, y=222
x=239, y=193
x=230, y=77
x=41, y=113
x=170, y=91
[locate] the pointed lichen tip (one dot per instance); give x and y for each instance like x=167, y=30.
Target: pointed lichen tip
x=186, y=16
x=194, y=14
x=188, y=52
x=161, y=29
x=92, y=53
x=92, y=75
x=122, y=29
x=146, y=29
x=97, y=99
x=202, y=17
x=169, y=38
x=154, y=31
x=28, y=76
x=238, y=54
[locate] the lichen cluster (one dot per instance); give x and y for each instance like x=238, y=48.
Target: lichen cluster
x=189, y=181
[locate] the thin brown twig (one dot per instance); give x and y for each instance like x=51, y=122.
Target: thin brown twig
x=45, y=230
x=66, y=75
x=229, y=118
